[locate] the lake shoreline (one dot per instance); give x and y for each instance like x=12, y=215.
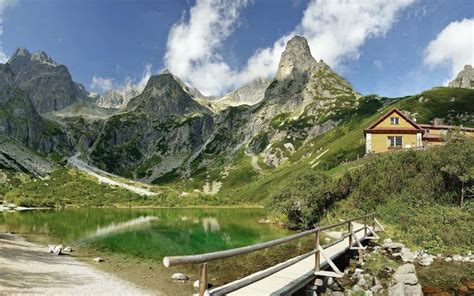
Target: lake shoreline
x=29, y=268
x=14, y=208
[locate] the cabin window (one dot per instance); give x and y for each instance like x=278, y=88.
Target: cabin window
x=395, y=120
x=395, y=142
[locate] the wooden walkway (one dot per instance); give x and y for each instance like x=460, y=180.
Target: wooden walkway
x=292, y=275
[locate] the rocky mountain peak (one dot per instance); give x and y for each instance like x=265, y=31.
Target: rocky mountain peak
x=42, y=57
x=50, y=86
x=303, y=84
x=21, y=52
x=465, y=78
x=164, y=96
x=295, y=59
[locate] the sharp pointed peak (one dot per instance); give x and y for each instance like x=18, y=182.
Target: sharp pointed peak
x=21, y=51
x=42, y=57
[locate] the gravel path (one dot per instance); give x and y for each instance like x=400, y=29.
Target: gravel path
x=105, y=177
x=27, y=268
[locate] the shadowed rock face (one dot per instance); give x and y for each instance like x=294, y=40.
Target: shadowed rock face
x=163, y=97
x=159, y=129
x=49, y=85
x=19, y=119
x=465, y=78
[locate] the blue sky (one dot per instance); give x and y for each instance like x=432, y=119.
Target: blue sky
x=391, y=48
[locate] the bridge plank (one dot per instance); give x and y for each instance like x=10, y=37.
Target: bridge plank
x=293, y=277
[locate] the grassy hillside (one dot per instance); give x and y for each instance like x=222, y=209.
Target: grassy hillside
x=415, y=193
x=346, y=142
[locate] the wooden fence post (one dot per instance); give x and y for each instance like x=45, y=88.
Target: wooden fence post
x=203, y=279
x=365, y=226
x=349, y=225
x=373, y=223
x=317, y=254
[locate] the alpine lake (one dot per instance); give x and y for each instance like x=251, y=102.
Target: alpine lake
x=133, y=242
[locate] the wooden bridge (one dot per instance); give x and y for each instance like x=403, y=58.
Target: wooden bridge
x=292, y=275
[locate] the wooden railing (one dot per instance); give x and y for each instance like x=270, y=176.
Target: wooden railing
x=203, y=259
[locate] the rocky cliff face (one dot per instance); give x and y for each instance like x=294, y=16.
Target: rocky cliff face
x=117, y=99
x=20, y=121
x=163, y=97
x=49, y=85
x=465, y=78
x=250, y=93
x=160, y=129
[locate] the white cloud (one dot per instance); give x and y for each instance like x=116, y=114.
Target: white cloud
x=128, y=86
x=336, y=31
x=192, y=47
x=3, y=5
x=454, y=46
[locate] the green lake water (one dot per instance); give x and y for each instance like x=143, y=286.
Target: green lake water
x=145, y=233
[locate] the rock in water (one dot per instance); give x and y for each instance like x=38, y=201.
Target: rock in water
x=179, y=277
x=67, y=249
x=98, y=259
x=196, y=284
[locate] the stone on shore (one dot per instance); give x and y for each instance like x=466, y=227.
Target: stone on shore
x=179, y=277
x=426, y=260
x=98, y=259
x=55, y=250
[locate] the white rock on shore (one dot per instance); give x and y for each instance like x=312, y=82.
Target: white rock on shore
x=179, y=277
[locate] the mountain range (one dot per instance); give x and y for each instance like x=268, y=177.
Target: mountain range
x=168, y=131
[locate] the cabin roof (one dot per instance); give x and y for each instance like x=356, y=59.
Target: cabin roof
x=373, y=126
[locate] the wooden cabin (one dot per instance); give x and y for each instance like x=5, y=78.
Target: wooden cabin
x=395, y=130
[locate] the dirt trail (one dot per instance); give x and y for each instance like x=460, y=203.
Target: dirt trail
x=105, y=177
x=27, y=268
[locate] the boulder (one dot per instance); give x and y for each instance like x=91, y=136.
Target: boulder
x=376, y=288
x=67, y=249
x=407, y=255
x=357, y=288
x=98, y=259
x=448, y=259
x=397, y=290
x=457, y=258
x=196, y=284
x=413, y=290
x=393, y=246
x=179, y=277
x=406, y=279
x=405, y=268
x=362, y=282
x=426, y=261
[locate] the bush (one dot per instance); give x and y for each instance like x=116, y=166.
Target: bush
x=304, y=200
